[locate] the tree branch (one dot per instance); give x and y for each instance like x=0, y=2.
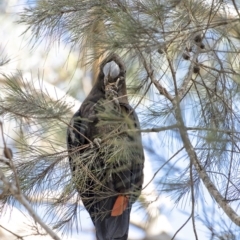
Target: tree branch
x=201, y=171
x=16, y=235
x=162, y=90
x=21, y=198
x=157, y=84
x=14, y=188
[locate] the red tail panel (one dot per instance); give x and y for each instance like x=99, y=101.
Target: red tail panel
x=119, y=206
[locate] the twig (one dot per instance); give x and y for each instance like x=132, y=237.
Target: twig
x=9, y=156
x=201, y=171
x=184, y=88
x=15, y=190
x=162, y=90
x=157, y=84
x=235, y=6
x=193, y=201
x=154, y=175
x=21, y=198
x=159, y=129
x=181, y=227
x=16, y=235
x=175, y=126
x=5, y=161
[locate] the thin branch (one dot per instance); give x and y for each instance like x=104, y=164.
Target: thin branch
x=210, y=129
x=162, y=90
x=156, y=83
x=201, y=171
x=160, y=129
x=193, y=201
x=173, y=71
x=16, y=235
x=9, y=156
x=5, y=161
x=174, y=126
x=181, y=227
x=184, y=88
x=154, y=175
x=231, y=159
x=15, y=190
x=228, y=178
x=21, y=198
x=235, y=6
x=26, y=204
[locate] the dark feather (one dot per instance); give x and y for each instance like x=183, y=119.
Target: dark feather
x=106, y=154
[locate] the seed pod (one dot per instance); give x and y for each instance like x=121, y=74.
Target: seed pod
x=160, y=51
x=198, y=38
x=186, y=56
x=202, y=46
x=8, y=153
x=196, y=69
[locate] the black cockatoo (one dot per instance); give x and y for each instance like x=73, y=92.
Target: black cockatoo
x=105, y=152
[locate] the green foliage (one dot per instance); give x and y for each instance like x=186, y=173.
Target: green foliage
x=23, y=100
x=181, y=56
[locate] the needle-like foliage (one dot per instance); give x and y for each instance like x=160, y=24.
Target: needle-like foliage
x=183, y=76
